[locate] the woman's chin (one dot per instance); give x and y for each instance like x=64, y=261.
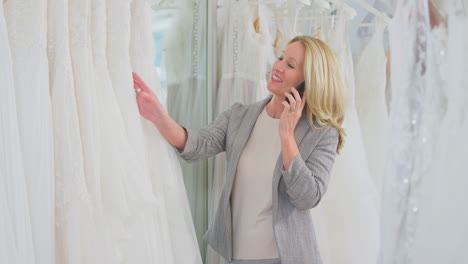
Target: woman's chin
x=271, y=88
x=275, y=91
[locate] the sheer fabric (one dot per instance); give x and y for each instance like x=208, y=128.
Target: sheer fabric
x=185, y=60
x=27, y=34
x=175, y=221
x=423, y=213
x=73, y=206
x=125, y=190
x=371, y=103
x=119, y=195
x=403, y=171
x=16, y=240
x=147, y=224
x=349, y=209
x=444, y=214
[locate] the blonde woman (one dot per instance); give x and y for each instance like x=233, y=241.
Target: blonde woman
x=278, y=157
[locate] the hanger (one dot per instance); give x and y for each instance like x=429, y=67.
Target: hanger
x=348, y=11
x=372, y=10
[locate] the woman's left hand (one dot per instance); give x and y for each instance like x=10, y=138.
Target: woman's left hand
x=291, y=114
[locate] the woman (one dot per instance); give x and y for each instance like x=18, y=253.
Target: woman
x=278, y=157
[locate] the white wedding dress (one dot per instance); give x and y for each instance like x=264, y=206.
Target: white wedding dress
x=120, y=196
x=424, y=213
x=405, y=167
x=124, y=187
x=143, y=241
x=16, y=239
x=176, y=233
x=445, y=214
x=157, y=225
x=349, y=208
x=26, y=24
x=243, y=57
x=74, y=224
x=245, y=54
x=371, y=105
x=185, y=64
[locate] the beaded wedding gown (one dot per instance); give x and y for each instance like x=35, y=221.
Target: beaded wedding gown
x=424, y=213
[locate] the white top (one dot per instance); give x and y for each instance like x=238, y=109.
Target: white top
x=251, y=197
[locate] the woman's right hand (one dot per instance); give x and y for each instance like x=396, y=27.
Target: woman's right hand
x=148, y=103
x=151, y=109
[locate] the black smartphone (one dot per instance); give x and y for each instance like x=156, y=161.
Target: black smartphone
x=300, y=88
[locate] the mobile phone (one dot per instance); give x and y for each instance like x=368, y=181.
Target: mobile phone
x=300, y=88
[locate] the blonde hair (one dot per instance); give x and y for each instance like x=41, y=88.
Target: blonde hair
x=323, y=85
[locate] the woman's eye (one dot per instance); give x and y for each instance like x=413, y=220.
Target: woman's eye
x=289, y=64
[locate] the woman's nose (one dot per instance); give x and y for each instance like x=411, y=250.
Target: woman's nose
x=277, y=67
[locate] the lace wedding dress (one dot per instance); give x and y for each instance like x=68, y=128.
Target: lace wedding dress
x=424, y=214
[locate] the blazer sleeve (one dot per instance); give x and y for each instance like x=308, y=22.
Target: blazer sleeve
x=307, y=180
x=208, y=141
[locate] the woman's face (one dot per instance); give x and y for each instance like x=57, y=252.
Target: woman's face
x=288, y=70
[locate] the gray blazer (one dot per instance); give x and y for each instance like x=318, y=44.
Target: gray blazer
x=294, y=191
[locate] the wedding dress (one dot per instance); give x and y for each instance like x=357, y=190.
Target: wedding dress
x=243, y=69
x=26, y=24
x=74, y=223
x=119, y=195
x=142, y=243
x=371, y=103
x=126, y=190
x=349, y=208
x=423, y=208
x=157, y=215
x=403, y=169
x=444, y=213
x=185, y=63
x=176, y=224
x=245, y=54
x=16, y=240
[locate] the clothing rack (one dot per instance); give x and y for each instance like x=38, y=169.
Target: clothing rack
x=351, y=12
